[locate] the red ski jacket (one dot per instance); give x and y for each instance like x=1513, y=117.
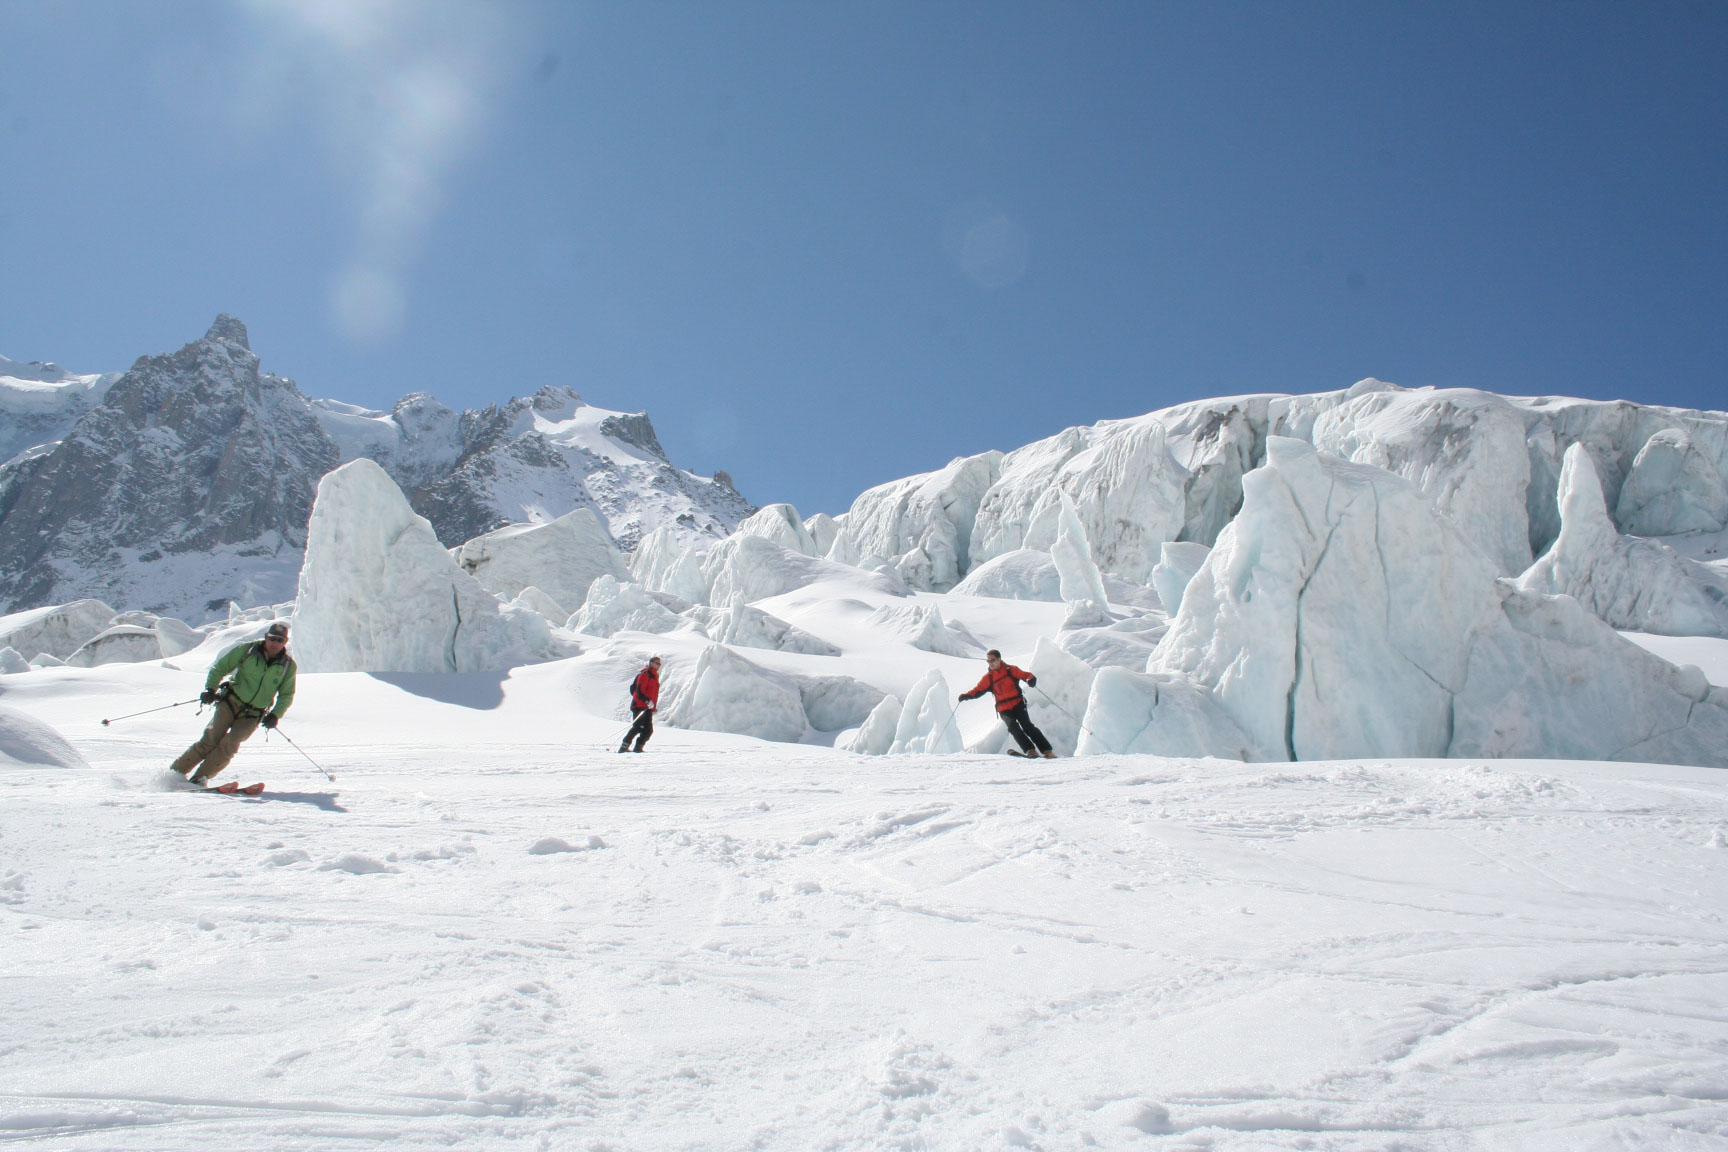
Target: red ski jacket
x=1004, y=682
x=645, y=692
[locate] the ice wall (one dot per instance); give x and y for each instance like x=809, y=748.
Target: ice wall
x=1341, y=615
x=933, y=512
x=1638, y=585
x=378, y=593
x=1125, y=487
x=561, y=558
x=780, y=524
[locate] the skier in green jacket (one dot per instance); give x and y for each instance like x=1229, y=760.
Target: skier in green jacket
x=259, y=692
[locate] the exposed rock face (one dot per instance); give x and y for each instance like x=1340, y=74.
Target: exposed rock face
x=187, y=482
x=193, y=456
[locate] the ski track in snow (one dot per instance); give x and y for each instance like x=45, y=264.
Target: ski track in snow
x=722, y=944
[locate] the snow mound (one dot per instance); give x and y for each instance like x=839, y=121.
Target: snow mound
x=927, y=722
x=357, y=864
x=12, y=662
x=1022, y=574
x=549, y=845
x=1162, y=715
x=27, y=740
x=58, y=631
x=746, y=626
x=742, y=569
x=834, y=703
x=121, y=644
x=613, y=606
x=378, y=593
x=1636, y=585
x=534, y=600
x=663, y=563
x=1341, y=616
x=922, y=626
x=780, y=524
x=727, y=693
x=875, y=736
x=561, y=558
x=1125, y=643
x=175, y=637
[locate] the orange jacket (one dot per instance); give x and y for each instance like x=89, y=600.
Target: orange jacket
x=1004, y=682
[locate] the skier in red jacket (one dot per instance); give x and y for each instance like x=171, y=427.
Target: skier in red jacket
x=1003, y=680
x=644, y=700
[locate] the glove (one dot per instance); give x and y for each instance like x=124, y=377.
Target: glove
x=1032, y=680
x=961, y=697
x=207, y=697
x=269, y=720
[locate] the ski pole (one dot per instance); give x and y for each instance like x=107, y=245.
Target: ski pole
x=302, y=752
x=952, y=716
x=147, y=711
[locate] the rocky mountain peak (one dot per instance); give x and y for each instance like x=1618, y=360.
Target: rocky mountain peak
x=228, y=330
x=556, y=397
x=190, y=481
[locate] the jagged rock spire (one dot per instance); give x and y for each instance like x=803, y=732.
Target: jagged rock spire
x=228, y=330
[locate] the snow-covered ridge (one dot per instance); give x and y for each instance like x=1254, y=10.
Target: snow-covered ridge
x=40, y=401
x=1491, y=462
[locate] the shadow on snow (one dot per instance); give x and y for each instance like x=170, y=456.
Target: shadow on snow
x=478, y=690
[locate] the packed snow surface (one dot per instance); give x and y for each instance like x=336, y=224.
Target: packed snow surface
x=494, y=932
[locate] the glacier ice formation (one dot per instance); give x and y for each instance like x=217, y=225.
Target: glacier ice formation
x=378, y=593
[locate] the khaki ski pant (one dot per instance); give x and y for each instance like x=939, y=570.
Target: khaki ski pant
x=221, y=739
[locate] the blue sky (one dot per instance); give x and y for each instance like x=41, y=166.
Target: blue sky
x=827, y=245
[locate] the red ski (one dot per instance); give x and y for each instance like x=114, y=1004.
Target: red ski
x=233, y=789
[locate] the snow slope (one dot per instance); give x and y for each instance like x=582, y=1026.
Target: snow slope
x=493, y=932
x=39, y=403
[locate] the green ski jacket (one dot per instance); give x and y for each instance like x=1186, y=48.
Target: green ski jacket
x=258, y=680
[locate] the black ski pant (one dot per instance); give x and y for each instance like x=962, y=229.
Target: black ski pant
x=641, y=730
x=1025, y=732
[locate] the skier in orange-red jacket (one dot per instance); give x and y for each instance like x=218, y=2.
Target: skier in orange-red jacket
x=1003, y=681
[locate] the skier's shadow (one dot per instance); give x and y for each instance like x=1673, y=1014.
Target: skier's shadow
x=324, y=800
x=478, y=690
